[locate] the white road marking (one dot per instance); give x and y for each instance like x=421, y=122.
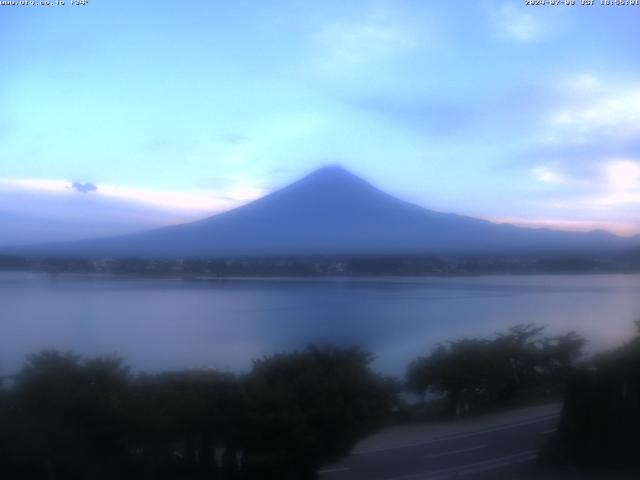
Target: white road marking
x=453, y=452
x=472, y=468
x=457, y=436
x=499, y=463
x=334, y=470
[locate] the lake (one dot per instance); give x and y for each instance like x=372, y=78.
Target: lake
x=176, y=323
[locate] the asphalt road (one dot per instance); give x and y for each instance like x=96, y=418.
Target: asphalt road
x=502, y=446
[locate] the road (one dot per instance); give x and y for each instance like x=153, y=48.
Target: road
x=490, y=447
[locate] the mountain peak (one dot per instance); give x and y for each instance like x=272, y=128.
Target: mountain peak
x=331, y=172
x=332, y=177
x=332, y=169
x=328, y=185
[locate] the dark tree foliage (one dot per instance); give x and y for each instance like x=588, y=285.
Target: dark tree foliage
x=310, y=407
x=498, y=371
x=601, y=416
x=64, y=418
x=180, y=419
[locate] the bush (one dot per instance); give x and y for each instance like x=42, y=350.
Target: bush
x=601, y=416
x=478, y=372
x=64, y=418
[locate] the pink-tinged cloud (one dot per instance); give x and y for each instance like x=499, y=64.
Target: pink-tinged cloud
x=619, y=228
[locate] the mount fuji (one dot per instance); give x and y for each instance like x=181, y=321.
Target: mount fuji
x=333, y=212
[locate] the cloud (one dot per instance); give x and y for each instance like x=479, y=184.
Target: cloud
x=40, y=216
x=448, y=110
x=624, y=175
x=162, y=144
x=233, y=138
x=604, y=194
x=607, y=198
x=610, y=184
x=621, y=184
x=84, y=187
x=37, y=210
x=567, y=224
x=517, y=23
x=45, y=185
x=590, y=138
x=425, y=114
x=347, y=45
x=584, y=84
x=594, y=111
x=200, y=199
x=584, y=153
x=547, y=175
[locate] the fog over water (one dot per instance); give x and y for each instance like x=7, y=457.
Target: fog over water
x=174, y=323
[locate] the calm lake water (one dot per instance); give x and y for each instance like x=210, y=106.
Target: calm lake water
x=172, y=323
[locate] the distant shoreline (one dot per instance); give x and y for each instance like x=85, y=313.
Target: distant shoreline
x=338, y=266
x=361, y=278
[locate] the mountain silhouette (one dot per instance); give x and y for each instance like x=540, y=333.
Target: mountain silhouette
x=333, y=212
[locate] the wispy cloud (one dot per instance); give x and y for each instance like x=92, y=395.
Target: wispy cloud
x=233, y=138
x=350, y=44
x=619, y=228
x=516, y=22
x=206, y=200
x=583, y=156
x=624, y=175
x=590, y=137
x=44, y=210
x=596, y=110
x=547, y=175
x=606, y=196
x=622, y=183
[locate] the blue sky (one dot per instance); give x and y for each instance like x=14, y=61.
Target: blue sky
x=175, y=110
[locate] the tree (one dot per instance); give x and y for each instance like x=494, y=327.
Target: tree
x=69, y=419
x=601, y=415
x=472, y=372
x=181, y=417
x=65, y=418
x=310, y=407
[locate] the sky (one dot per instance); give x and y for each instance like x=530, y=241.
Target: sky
x=119, y=116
